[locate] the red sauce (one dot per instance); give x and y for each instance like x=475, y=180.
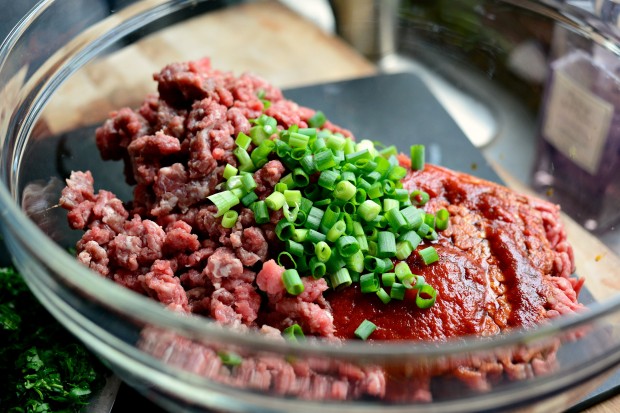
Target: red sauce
x=459, y=308
x=491, y=274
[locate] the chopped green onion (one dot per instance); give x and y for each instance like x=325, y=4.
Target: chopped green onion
x=395, y=219
x=424, y=230
x=282, y=149
x=238, y=192
x=286, y=260
x=315, y=236
x=275, y=201
x=403, y=250
x=388, y=265
x=377, y=265
x=295, y=248
x=290, y=216
x=401, y=269
x=413, y=216
x=408, y=281
x=288, y=180
x=317, y=120
x=335, y=142
x=314, y=218
x=350, y=177
x=245, y=162
x=360, y=196
x=335, y=262
x=368, y=210
x=328, y=179
x=397, y=173
x=429, y=219
x=300, y=235
x=280, y=187
x=426, y=296
x=261, y=152
x=365, y=329
x=375, y=191
x=249, y=184
x=293, y=333
x=386, y=244
x=249, y=198
x=301, y=218
x=243, y=141
x=229, y=219
x=330, y=217
x=233, y=182
x=400, y=194
x=361, y=239
x=319, y=144
x=347, y=245
x=389, y=187
x=229, y=358
x=417, y=157
x=300, y=177
x=389, y=204
x=230, y=171
x=369, y=283
x=336, y=231
x=322, y=251
x=355, y=262
x=223, y=201
x=298, y=140
x=383, y=296
x=261, y=213
x=317, y=268
x=305, y=205
x=388, y=150
x=388, y=279
x=284, y=230
x=292, y=282
x=309, y=132
x=429, y=255
x=366, y=165
x=419, y=198
x=324, y=160
x=341, y=278
x=307, y=164
x=349, y=208
x=442, y=219
x=259, y=134
x=292, y=197
x=357, y=229
x=344, y=190
x=398, y=291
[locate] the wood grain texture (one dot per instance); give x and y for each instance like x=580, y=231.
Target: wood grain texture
x=263, y=37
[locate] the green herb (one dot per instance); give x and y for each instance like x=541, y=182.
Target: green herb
x=43, y=367
x=344, y=208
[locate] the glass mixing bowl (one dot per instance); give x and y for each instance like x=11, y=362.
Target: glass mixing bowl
x=513, y=75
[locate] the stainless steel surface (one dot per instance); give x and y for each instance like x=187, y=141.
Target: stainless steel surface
x=368, y=25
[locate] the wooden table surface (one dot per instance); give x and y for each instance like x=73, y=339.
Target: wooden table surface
x=286, y=50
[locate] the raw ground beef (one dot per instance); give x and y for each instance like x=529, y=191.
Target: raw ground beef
x=505, y=262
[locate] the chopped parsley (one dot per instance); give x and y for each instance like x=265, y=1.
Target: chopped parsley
x=43, y=368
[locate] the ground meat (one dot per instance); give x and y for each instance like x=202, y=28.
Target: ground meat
x=505, y=261
x=267, y=177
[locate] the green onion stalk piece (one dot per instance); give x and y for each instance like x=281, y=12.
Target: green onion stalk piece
x=342, y=212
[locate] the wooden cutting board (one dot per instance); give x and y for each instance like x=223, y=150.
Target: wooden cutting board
x=263, y=37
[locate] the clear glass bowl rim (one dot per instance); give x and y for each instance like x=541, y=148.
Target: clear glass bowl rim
x=41, y=248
